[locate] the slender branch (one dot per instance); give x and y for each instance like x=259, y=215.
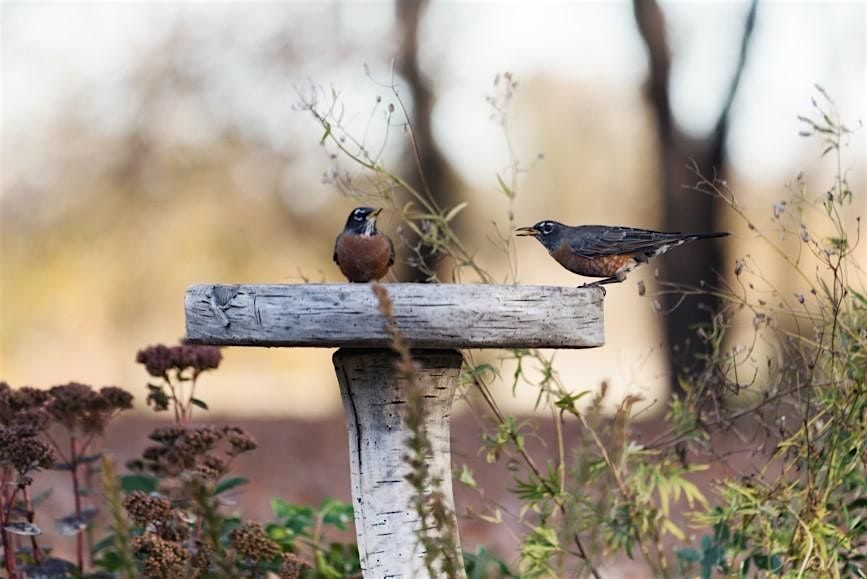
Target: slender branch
x=31, y=518
x=73, y=470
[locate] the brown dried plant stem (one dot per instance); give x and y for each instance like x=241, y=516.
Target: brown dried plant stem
x=6, y=502
x=31, y=517
x=428, y=502
x=7, y=549
x=76, y=490
x=177, y=407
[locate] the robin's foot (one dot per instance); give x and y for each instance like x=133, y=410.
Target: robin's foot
x=596, y=284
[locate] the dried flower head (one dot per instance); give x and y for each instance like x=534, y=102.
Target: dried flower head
x=20, y=448
x=167, y=434
x=293, y=567
x=23, y=406
x=191, y=450
x=202, y=555
x=79, y=407
x=160, y=558
x=71, y=401
x=252, y=543
x=240, y=441
x=176, y=531
x=199, y=358
x=211, y=467
x=143, y=509
x=199, y=440
x=116, y=398
x=158, y=360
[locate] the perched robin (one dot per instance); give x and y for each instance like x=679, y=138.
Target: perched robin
x=603, y=251
x=361, y=252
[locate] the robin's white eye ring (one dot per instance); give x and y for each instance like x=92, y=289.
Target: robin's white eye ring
x=547, y=228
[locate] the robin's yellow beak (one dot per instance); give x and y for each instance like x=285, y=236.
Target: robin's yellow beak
x=374, y=213
x=527, y=232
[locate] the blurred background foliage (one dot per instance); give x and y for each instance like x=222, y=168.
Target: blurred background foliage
x=149, y=146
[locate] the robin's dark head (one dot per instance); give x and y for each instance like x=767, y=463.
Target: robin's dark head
x=362, y=221
x=549, y=233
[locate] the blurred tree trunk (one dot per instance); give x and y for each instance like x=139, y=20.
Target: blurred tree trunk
x=684, y=209
x=426, y=167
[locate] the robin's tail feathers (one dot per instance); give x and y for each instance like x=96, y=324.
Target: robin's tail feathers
x=670, y=240
x=707, y=235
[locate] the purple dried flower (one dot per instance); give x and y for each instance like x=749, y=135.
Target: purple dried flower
x=159, y=359
x=79, y=407
x=20, y=448
x=252, y=543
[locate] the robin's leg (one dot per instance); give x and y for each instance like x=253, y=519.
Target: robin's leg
x=618, y=277
x=596, y=284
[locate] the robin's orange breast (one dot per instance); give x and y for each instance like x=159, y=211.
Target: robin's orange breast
x=601, y=266
x=363, y=258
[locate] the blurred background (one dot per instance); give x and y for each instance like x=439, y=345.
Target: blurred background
x=150, y=146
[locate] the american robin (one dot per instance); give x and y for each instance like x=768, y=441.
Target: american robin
x=603, y=251
x=361, y=252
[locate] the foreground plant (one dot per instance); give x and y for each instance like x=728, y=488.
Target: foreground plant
x=166, y=518
x=173, y=497
x=36, y=428
x=790, y=390
x=177, y=369
x=23, y=453
x=811, y=489
x=172, y=505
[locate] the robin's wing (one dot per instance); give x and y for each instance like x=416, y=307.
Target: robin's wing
x=334, y=255
x=390, y=251
x=599, y=240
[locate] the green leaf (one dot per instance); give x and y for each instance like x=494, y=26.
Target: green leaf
x=297, y=518
x=453, y=212
x=662, y=489
x=692, y=492
x=103, y=544
x=669, y=526
x=200, y=403
x=325, y=569
x=229, y=483
x=568, y=401
x=495, y=519
x=467, y=477
x=766, y=563
x=859, y=296
x=480, y=371
x=690, y=555
x=483, y=565
x=327, y=133
x=138, y=482
x=712, y=555
x=505, y=188
x=111, y=561
x=42, y=497
x=336, y=513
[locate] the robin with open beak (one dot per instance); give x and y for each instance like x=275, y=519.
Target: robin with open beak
x=361, y=252
x=609, y=252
